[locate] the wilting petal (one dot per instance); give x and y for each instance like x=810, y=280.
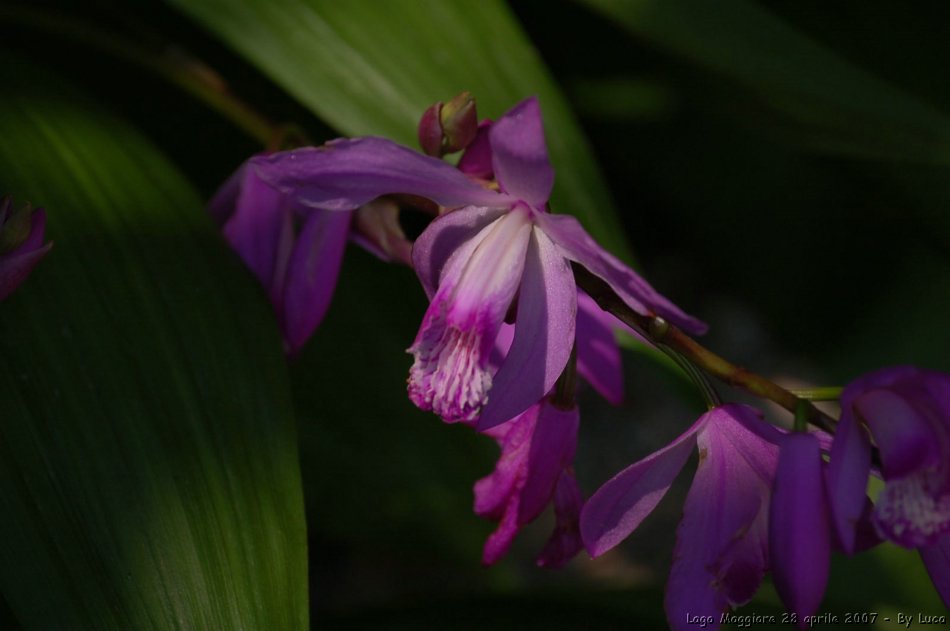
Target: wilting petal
x=598, y=356
x=904, y=437
x=443, y=237
x=544, y=334
x=312, y=274
x=624, y=501
x=577, y=245
x=450, y=374
x=565, y=541
x=936, y=559
x=719, y=558
x=476, y=161
x=552, y=451
x=520, y=155
x=799, y=532
x=376, y=229
x=847, y=478
x=17, y=264
x=345, y=174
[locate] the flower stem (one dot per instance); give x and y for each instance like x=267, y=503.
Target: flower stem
x=174, y=65
x=663, y=333
x=827, y=393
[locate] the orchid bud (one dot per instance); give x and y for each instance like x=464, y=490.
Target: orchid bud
x=450, y=127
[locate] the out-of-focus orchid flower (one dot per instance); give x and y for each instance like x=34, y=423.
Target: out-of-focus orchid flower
x=906, y=411
x=504, y=256
x=537, y=451
x=21, y=243
x=721, y=549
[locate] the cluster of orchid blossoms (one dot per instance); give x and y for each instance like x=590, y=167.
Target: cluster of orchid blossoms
x=516, y=313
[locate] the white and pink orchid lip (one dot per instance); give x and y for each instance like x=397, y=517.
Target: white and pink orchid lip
x=912, y=511
x=451, y=375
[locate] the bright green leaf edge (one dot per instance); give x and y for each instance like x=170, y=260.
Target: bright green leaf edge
x=149, y=475
x=371, y=68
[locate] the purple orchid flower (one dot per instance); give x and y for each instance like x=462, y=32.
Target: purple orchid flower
x=537, y=450
x=505, y=256
x=21, y=244
x=800, y=532
x=295, y=252
x=906, y=411
x=721, y=549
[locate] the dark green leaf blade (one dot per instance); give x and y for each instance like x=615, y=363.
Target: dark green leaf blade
x=149, y=475
x=840, y=106
x=370, y=67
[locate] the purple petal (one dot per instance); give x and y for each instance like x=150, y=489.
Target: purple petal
x=904, y=437
x=495, y=492
x=312, y=274
x=936, y=559
x=624, y=501
x=17, y=264
x=913, y=511
x=719, y=558
x=345, y=174
x=552, y=451
x=580, y=247
x=260, y=229
x=450, y=374
x=443, y=237
x=565, y=541
x=754, y=440
x=476, y=161
x=598, y=356
x=544, y=334
x=520, y=155
x=799, y=533
x=847, y=479
x=224, y=202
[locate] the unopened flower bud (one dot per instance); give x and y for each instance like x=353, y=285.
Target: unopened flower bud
x=14, y=225
x=21, y=244
x=449, y=127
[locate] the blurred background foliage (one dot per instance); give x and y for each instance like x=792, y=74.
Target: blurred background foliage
x=777, y=168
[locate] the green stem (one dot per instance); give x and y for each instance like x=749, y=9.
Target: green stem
x=663, y=333
x=175, y=66
x=827, y=393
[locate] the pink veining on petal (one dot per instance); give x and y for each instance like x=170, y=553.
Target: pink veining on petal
x=451, y=373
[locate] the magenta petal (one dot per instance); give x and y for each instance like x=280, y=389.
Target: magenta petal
x=719, y=558
x=17, y=264
x=260, y=228
x=565, y=541
x=598, y=356
x=799, y=533
x=904, y=437
x=580, y=247
x=520, y=155
x=544, y=334
x=552, y=451
x=624, y=501
x=443, y=237
x=345, y=174
x=476, y=161
x=312, y=274
x=493, y=493
x=936, y=559
x=847, y=478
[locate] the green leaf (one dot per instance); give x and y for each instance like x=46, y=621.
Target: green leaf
x=371, y=67
x=149, y=476
x=842, y=107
